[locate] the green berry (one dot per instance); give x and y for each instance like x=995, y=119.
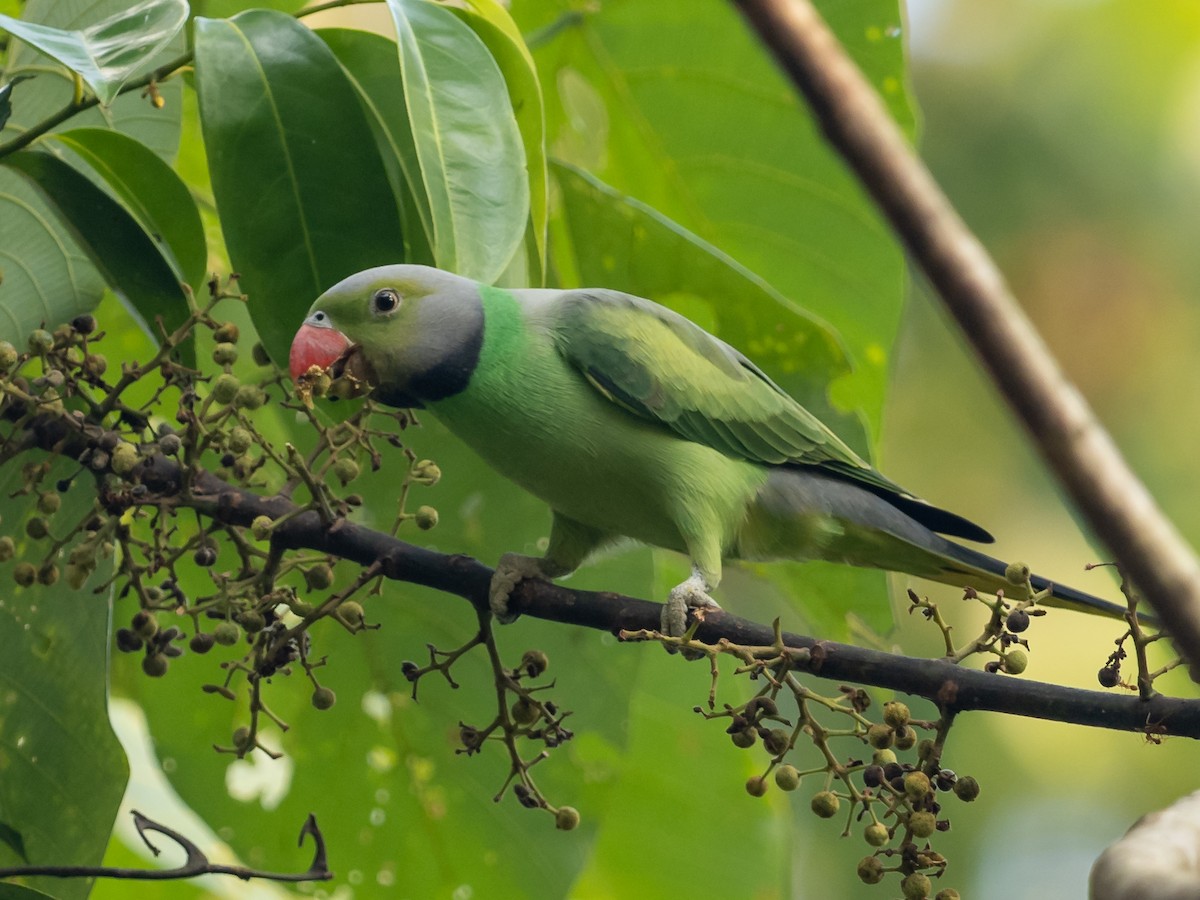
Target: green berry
x=825, y=804
x=8, y=356
x=41, y=341
x=756, y=785
x=346, y=470
x=323, y=698
x=351, y=612
x=906, y=737
x=225, y=354
x=534, y=663
x=77, y=575
x=916, y=886
x=226, y=634
x=870, y=869
x=427, y=518
x=777, y=741
x=566, y=819
x=787, y=778
x=155, y=665
x=1016, y=573
x=252, y=621
x=876, y=834
x=426, y=472
x=880, y=736
x=966, y=789
x=249, y=396
x=49, y=503
x=883, y=757
x=225, y=388
x=37, y=528
x=240, y=440
x=124, y=458
x=96, y=364
x=922, y=824
x=916, y=785
x=24, y=574
x=745, y=738
x=895, y=713
x=1016, y=661
x=318, y=577
x=525, y=711
x=48, y=574
x=7, y=548
x=947, y=894
x=261, y=528
x=226, y=333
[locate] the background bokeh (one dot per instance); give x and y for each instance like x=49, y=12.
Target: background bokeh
x=1068, y=136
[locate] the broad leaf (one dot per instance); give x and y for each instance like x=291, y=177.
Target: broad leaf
x=371, y=64
x=131, y=261
x=107, y=53
x=44, y=276
x=499, y=32
x=62, y=772
x=303, y=196
x=151, y=191
x=467, y=141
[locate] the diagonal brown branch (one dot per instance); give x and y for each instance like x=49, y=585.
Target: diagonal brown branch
x=1114, y=502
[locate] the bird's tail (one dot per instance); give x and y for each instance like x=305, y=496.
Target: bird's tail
x=981, y=571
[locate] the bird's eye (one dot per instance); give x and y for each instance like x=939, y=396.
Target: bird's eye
x=385, y=301
x=318, y=317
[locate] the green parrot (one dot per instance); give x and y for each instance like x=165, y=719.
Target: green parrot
x=632, y=422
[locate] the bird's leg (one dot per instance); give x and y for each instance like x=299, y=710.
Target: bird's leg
x=693, y=593
x=571, y=543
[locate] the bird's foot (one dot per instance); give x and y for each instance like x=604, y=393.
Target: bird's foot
x=693, y=594
x=511, y=570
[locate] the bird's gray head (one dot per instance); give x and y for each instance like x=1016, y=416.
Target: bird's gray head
x=417, y=330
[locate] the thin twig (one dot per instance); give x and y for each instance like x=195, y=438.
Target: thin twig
x=195, y=864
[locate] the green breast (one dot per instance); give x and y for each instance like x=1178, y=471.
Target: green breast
x=536, y=420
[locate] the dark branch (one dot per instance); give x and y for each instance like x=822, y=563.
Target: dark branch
x=952, y=687
x=195, y=864
x=1114, y=502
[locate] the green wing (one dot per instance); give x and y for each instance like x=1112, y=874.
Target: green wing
x=658, y=365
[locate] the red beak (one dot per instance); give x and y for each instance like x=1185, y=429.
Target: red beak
x=315, y=346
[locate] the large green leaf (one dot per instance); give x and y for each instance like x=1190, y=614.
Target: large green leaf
x=62, y=771
x=44, y=276
x=499, y=32
x=371, y=64
x=303, y=196
x=132, y=262
x=151, y=191
x=108, y=52
x=677, y=104
x=467, y=141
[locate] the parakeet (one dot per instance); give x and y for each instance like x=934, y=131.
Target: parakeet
x=630, y=421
